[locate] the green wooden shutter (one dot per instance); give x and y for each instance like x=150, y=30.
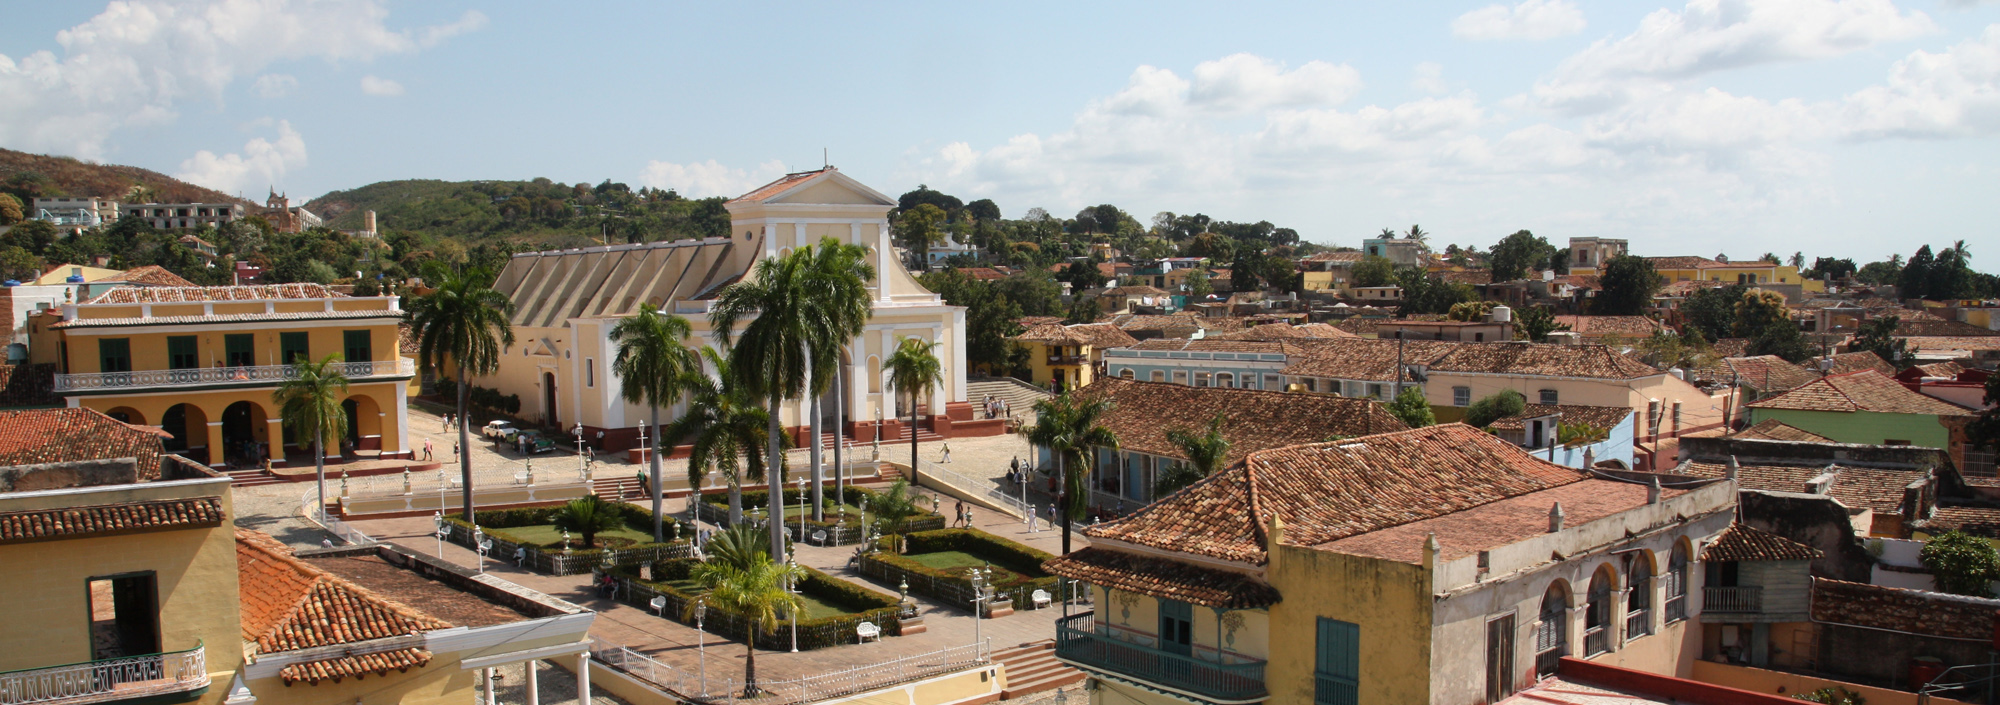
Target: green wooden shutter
x=359, y=348
x=240, y=349
x=114, y=355
x=1338, y=671
x=294, y=346
x=182, y=353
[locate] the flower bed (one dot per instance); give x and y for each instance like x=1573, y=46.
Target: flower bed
x=1018, y=569
x=714, y=508
x=548, y=557
x=863, y=605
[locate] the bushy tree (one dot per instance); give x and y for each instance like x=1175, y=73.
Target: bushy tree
x=1760, y=309
x=1513, y=256
x=918, y=229
x=1083, y=310
x=1783, y=341
x=1713, y=311
x=1535, y=323
x=1373, y=271
x=11, y=210
x=1915, y=281
x=1412, y=409
x=1961, y=564
x=1425, y=294
x=1628, y=284
x=1494, y=407
x=1879, y=336
x=1828, y=267
x=1198, y=286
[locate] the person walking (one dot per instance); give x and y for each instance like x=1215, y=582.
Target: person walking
x=427, y=449
x=958, y=513
x=947, y=453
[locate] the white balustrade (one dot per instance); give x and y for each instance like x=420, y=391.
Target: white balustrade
x=106, y=680
x=204, y=376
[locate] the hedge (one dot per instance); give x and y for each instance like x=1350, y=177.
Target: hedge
x=714, y=508
x=494, y=524
x=956, y=589
x=813, y=633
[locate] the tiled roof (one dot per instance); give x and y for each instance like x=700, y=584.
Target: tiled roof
x=1954, y=343
x=1604, y=417
x=1628, y=326
x=288, y=605
x=1140, y=290
x=1333, y=257
x=1266, y=331
x=1845, y=363
x=1051, y=333
x=1934, y=327
x=95, y=520
x=1143, y=412
x=783, y=184
x=1499, y=523
x=153, y=275
x=1946, y=369
x=335, y=669
x=226, y=318
x=182, y=294
x=1327, y=491
x=1102, y=335
x=1375, y=359
x=1983, y=522
x=1898, y=609
x=1684, y=262
x=1688, y=287
x=1322, y=330
x=36, y=436
x=1164, y=578
x=1775, y=430
x=1860, y=391
x=1214, y=345
x=1732, y=347
x=985, y=274
x=1741, y=542
x=1032, y=321
x=1859, y=488
x=1474, y=277
x=1768, y=373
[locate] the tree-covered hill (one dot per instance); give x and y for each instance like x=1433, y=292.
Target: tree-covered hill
x=528, y=214
x=30, y=176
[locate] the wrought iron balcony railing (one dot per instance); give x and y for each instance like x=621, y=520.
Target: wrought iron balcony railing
x=108, y=680
x=1736, y=600
x=220, y=376
x=1079, y=641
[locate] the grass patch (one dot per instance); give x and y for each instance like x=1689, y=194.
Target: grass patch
x=815, y=608
x=958, y=562
x=547, y=537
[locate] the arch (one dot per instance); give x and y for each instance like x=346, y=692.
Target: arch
x=1125, y=373
x=549, y=400
x=1225, y=379
x=243, y=431
x=126, y=414
x=189, y=426
x=364, y=422
x=874, y=374
x=1157, y=376
x=1552, y=628
x=1639, y=595
x=1597, y=609
x=1675, y=580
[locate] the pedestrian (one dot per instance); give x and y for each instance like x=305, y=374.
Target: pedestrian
x=427, y=449
x=968, y=517
x=958, y=512
x=444, y=423
x=454, y=451
x=947, y=453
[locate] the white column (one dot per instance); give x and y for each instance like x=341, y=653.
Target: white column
x=889, y=396
x=883, y=248
x=486, y=684
x=956, y=376
x=857, y=378
x=583, y=678
x=799, y=235
x=534, y=688
x=403, y=417
x=770, y=240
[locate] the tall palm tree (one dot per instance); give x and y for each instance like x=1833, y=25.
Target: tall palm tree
x=1069, y=426
x=653, y=366
x=1205, y=453
x=1423, y=238
x=789, y=303
x=310, y=402
x=724, y=425
x=464, y=322
x=912, y=369
x=758, y=592
x=589, y=515
x=840, y=273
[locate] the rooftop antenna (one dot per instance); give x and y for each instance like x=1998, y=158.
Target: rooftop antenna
x=824, y=160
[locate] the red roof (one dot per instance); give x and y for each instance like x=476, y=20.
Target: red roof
x=36, y=436
x=783, y=184
x=1866, y=390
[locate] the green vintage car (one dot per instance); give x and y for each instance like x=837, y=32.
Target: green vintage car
x=528, y=441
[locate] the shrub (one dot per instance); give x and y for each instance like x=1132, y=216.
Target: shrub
x=1961, y=564
x=868, y=605
x=955, y=588
x=1494, y=407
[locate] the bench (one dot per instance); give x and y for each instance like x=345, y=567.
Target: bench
x=1040, y=598
x=819, y=537
x=520, y=478
x=866, y=631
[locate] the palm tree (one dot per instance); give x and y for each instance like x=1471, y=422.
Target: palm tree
x=1205, y=455
x=588, y=515
x=757, y=592
x=895, y=506
x=464, y=322
x=914, y=368
x=653, y=365
x=310, y=401
x=724, y=425
x=739, y=546
x=841, y=272
x=789, y=303
x=1423, y=238
x=1069, y=427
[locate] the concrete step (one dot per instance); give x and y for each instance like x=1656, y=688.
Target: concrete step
x=251, y=478
x=1033, y=668
x=1017, y=689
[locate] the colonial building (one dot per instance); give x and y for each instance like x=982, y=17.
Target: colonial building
x=185, y=216
x=1437, y=565
x=287, y=218
x=1865, y=407
x=567, y=301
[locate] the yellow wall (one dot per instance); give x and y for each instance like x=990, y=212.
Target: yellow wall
x=441, y=682
x=1390, y=601
x=1790, y=684
x=150, y=407
x=1040, y=371
x=149, y=350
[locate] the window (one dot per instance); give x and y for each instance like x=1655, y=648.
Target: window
x=1180, y=376
x=358, y=345
x=114, y=355
x=1597, y=615
x=1201, y=379
x=1552, y=630
x=1125, y=373
x=1639, y=601
x=1176, y=627
x=239, y=349
x=1158, y=376
x=294, y=347
x=1375, y=390
x=1677, y=584
x=1549, y=397
x=590, y=372
x=1461, y=396
x=1499, y=658
x=1337, y=670
x=1894, y=442
x=1225, y=379
x=181, y=353
x=1270, y=382
x=124, y=616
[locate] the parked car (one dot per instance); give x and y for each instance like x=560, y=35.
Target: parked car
x=498, y=430
x=533, y=442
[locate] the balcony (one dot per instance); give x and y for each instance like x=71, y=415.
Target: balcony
x=1066, y=360
x=1080, y=642
x=222, y=376
x=1732, y=600
x=159, y=676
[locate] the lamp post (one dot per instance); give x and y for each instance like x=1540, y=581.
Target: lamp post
x=701, y=638
x=582, y=466
x=483, y=544
x=980, y=577
x=437, y=520
x=792, y=586
x=802, y=509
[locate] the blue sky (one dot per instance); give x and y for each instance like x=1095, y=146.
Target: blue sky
x=1837, y=127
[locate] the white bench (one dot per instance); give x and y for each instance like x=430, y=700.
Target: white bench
x=1041, y=598
x=520, y=478
x=819, y=537
x=866, y=631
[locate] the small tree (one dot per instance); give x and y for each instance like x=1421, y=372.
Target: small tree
x=310, y=402
x=758, y=592
x=1198, y=286
x=1494, y=407
x=1535, y=323
x=1206, y=452
x=1628, y=284
x=1961, y=564
x=1879, y=336
x=1412, y=409
x=895, y=506
x=1373, y=271
x=588, y=515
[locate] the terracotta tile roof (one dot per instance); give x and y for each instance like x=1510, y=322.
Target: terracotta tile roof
x=1475, y=277
x=335, y=669
x=1775, y=430
x=1604, y=417
x=1741, y=542
x=1845, y=363
x=1767, y=373
x=1983, y=522
x=783, y=184
x=1954, y=343
x=1917, y=611
x=1140, y=290
x=1322, y=330
x=1164, y=578
x=984, y=274
x=289, y=605
x=1051, y=333
x=1732, y=347
x=182, y=294
x=1333, y=257
x=1948, y=369
x=1934, y=327
x=1143, y=412
x=1859, y=488
x=1265, y=331
x=1328, y=491
x=36, y=436
x=1683, y=262
x=97, y=520
x=1688, y=287
x=1628, y=326
x=153, y=275
x=1102, y=335
x=1032, y=321
x=1499, y=523
x=1214, y=345
x=227, y=318
x=1860, y=391
x=1375, y=359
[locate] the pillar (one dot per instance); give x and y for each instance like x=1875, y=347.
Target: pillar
x=534, y=687
x=583, y=678
x=218, y=456
x=403, y=446
x=274, y=435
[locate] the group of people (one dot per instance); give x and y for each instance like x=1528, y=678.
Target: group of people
x=997, y=408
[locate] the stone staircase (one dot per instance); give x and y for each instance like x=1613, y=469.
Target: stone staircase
x=1033, y=668
x=251, y=477
x=1020, y=396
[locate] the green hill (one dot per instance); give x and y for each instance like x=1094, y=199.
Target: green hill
x=529, y=214
x=30, y=176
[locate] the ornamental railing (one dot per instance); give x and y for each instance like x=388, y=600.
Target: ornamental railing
x=1079, y=641
x=1736, y=600
x=105, y=680
x=208, y=376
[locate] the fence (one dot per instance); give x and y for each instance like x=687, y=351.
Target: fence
x=577, y=561
x=814, y=634
x=798, y=691
x=988, y=489
x=954, y=591
x=308, y=505
x=132, y=677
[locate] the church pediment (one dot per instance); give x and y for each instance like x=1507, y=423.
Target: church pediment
x=542, y=348
x=824, y=187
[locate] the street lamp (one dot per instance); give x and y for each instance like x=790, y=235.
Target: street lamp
x=802, y=509
x=582, y=465
x=980, y=577
x=437, y=520
x=792, y=586
x=481, y=544
x=701, y=638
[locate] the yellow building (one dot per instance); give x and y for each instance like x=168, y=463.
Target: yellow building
x=1689, y=268
x=1069, y=357
x=201, y=363
x=1438, y=565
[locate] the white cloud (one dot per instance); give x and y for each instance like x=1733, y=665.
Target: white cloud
x=377, y=86
x=262, y=163
x=1953, y=94
x=471, y=21
x=1245, y=83
x=1429, y=78
x=1531, y=20
x=138, y=60
x=274, y=85
x=709, y=178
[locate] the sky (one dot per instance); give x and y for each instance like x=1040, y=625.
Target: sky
x=1847, y=128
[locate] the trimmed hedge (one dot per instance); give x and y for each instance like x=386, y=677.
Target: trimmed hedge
x=635, y=518
x=554, y=561
x=822, y=632
x=953, y=588
x=714, y=508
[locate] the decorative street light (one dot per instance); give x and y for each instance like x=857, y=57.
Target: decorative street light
x=802, y=509
x=437, y=520
x=792, y=586
x=701, y=638
x=980, y=577
x=582, y=465
x=484, y=544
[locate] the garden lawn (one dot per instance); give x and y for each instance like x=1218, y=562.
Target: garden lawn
x=547, y=536
x=815, y=608
x=957, y=562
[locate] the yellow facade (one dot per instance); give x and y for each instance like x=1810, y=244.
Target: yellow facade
x=1750, y=273
x=1069, y=366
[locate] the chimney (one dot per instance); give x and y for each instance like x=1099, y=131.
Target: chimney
x=1653, y=490
x=1555, y=517
x=1589, y=458
x=1431, y=549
